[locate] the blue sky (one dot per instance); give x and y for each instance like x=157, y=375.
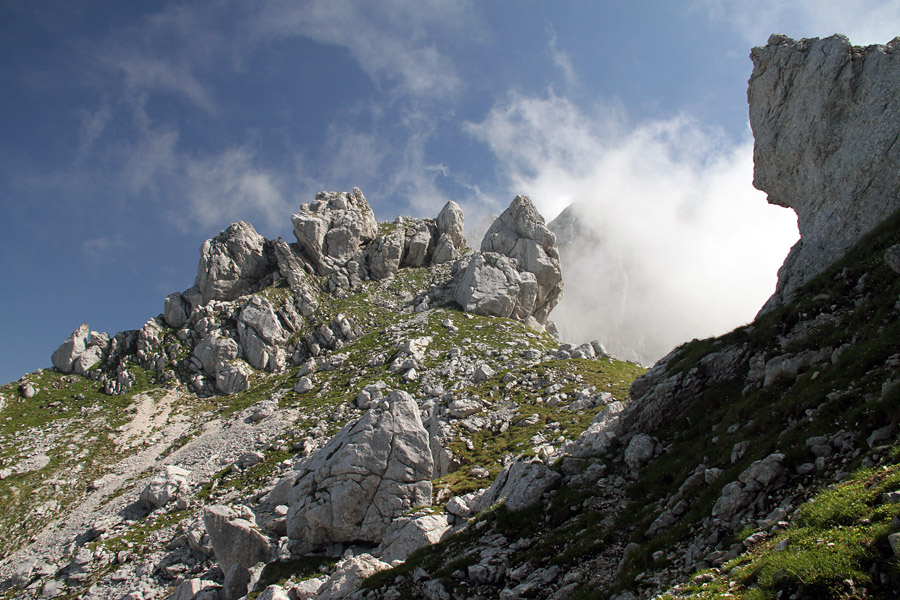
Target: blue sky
x=132, y=131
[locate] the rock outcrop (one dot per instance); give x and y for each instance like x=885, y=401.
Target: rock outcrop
x=80, y=351
x=231, y=263
x=826, y=119
x=367, y=475
x=517, y=272
x=332, y=229
x=236, y=541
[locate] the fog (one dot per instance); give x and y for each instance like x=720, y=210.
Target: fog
x=671, y=241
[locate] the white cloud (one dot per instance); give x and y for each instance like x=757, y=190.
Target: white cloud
x=231, y=186
x=686, y=247
x=144, y=73
x=391, y=41
x=561, y=59
x=863, y=21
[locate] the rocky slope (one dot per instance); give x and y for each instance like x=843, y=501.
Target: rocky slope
x=377, y=411
x=298, y=403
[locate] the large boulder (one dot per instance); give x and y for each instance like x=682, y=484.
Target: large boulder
x=520, y=233
x=261, y=334
x=519, y=485
x=165, y=487
x=232, y=263
x=332, y=230
x=450, y=221
x=348, y=575
x=368, y=474
x=517, y=273
x=233, y=376
x=214, y=349
x=825, y=117
x=235, y=541
x=64, y=357
x=490, y=284
x=408, y=534
x=384, y=254
x=290, y=265
x=176, y=311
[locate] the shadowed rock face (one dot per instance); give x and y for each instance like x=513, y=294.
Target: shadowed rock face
x=826, y=121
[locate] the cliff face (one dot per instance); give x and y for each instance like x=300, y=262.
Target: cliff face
x=826, y=119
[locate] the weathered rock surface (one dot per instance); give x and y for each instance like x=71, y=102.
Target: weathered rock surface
x=332, y=229
x=826, y=119
x=214, y=349
x=348, y=575
x=236, y=541
x=407, y=534
x=165, y=487
x=491, y=285
x=520, y=485
x=520, y=233
x=64, y=357
x=233, y=376
x=261, y=335
x=367, y=475
x=231, y=263
x=517, y=273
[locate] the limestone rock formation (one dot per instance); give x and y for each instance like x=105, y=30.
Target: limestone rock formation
x=520, y=233
x=332, y=229
x=165, y=487
x=490, y=284
x=236, y=541
x=517, y=272
x=369, y=473
x=68, y=352
x=410, y=533
x=826, y=119
x=231, y=263
x=261, y=335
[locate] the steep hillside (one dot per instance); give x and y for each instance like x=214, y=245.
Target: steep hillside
x=127, y=469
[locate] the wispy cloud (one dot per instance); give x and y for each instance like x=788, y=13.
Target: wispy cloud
x=101, y=249
x=863, y=21
x=389, y=40
x=683, y=245
x=561, y=59
x=230, y=186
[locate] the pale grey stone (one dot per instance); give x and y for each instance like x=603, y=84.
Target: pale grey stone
x=231, y=263
x=334, y=227
x=165, y=487
x=235, y=540
x=407, y=534
x=304, y=385
x=214, y=349
x=233, y=376
x=419, y=245
x=489, y=284
x=175, y=310
x=520, y=233
x=290, y=265
x=639, y=450
x=369, y=473
x=520, y=485
x=261, y=333
x=273, y=592
x=825, y=117
x=64, y=357
x=451, y=222
x=347, y=576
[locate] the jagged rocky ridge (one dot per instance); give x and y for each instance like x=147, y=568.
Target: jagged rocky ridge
x=729, y=470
